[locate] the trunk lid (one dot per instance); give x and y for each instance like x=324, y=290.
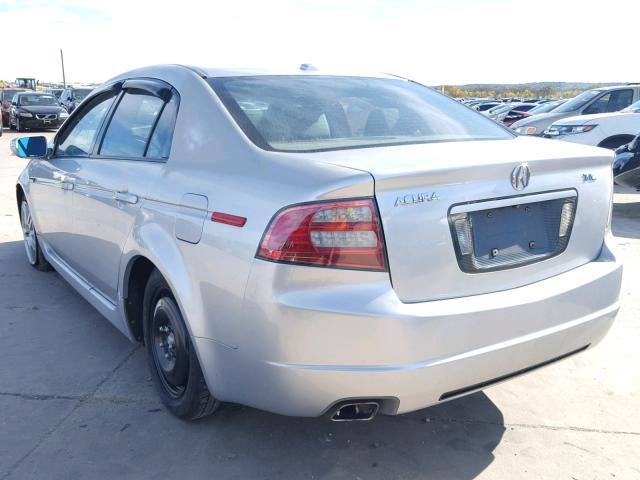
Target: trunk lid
x=422, y=189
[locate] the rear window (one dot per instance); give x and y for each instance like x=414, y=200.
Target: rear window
x=317, y=113
x=523, y=108
x=7, y=95
x=81, y=93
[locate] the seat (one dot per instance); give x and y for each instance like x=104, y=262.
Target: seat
x=376, y=125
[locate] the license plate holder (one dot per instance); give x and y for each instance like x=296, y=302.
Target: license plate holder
x=509, y=230
x=507, y=233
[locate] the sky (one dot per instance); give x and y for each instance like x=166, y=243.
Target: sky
x=432, y=41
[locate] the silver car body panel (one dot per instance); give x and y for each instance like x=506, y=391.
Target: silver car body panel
x=296, y=339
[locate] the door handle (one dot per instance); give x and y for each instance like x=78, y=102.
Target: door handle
x=125, y=197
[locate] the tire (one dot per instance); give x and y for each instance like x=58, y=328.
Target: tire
x=173, y=363
x=18, y=126
x=11, y=126
x=31, y=245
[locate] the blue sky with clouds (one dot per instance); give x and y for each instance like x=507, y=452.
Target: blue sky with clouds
x=433, y=41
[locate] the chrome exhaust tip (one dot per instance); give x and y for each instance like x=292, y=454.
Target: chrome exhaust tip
x=355, y=411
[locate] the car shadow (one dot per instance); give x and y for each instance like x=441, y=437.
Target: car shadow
x=451, y=440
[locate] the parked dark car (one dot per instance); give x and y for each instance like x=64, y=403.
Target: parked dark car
x=626, y=166
x=56, y=92
x=515, y=114
x=6, y=96
x=35, y=110
x=72, y=96
x=481, y=107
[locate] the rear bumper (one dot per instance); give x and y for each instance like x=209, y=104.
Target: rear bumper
x=307, y=348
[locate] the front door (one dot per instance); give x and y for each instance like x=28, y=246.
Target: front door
x=50, y=202
x=52, y=180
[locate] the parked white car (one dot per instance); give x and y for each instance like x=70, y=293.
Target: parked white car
x=592, y=102
x=608, y=130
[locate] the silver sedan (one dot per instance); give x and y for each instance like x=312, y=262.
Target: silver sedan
x=312, y=243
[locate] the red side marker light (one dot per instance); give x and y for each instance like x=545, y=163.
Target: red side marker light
x=233, y=220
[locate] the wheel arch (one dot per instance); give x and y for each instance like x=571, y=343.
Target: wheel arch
x=616, y=140
x=20, y=195
x=136, y=275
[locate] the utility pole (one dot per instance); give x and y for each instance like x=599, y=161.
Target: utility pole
x=64, y=80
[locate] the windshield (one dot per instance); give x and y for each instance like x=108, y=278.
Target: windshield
x=37, y=100
x=633, y=108
x=81, y=93
x=315, y=113
x=7, y=95
x=578, y=102
x=544, y=108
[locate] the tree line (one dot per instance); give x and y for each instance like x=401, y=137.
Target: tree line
x=513, y=91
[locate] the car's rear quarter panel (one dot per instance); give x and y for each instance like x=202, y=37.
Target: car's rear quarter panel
x=211, y=157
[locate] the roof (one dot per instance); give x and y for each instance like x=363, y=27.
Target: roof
x=241, y=72
x=32, y=92
x=616, y=87
x=246, y=72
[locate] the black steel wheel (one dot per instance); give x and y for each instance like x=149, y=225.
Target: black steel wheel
x=170, y=348
x=174, y=365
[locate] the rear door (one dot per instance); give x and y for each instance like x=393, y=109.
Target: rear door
x=111, y=184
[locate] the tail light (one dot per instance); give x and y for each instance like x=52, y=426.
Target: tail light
x=343, y=234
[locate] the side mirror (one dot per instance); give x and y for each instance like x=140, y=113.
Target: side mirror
x=29, y=147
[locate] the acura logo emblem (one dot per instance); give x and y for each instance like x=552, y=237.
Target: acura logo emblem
x=520, y=176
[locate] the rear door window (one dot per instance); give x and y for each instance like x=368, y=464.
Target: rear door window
x=160, y=143
x=131, y=125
